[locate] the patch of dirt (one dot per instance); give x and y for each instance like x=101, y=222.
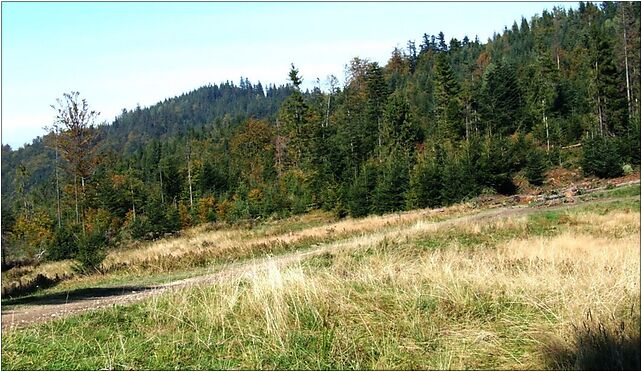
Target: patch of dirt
x=561, y=177
x=561, y=186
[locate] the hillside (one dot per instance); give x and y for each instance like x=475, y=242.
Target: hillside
x=441, y=122
x=214, y=107
x=466, y=205
x=522, y=287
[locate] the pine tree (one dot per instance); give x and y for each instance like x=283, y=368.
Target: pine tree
x=392, y=181
x=425, y=183
x=399, y=126
x=501, y=99
x=447, y=96
x=600, y=157
x=442, y=47
x=377, y=94
x=611, y=98
x=292, y=125
x=361, y=191
x=535, y=166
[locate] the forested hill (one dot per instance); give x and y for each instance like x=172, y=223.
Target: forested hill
x=212, y=106
x=442, y=121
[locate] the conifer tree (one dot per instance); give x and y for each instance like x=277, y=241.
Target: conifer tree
x=611, y=98
x=376, y=91
x=501, y=99
x=447, y=96
x=392, y=181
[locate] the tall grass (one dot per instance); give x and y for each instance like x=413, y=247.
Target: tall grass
x=500, y=294
x=204, y=246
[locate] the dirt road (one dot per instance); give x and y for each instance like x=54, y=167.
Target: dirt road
x=82, y=300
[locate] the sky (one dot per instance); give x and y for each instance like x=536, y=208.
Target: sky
x=120, y=55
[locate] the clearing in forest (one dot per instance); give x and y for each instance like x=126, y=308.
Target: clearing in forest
x=508, y=288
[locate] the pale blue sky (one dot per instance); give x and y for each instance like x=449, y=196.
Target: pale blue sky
x=119, y=55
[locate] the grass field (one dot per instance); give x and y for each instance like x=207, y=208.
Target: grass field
x=203, y=250
x=557, y=289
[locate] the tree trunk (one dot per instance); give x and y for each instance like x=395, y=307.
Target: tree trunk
x=160, y=177
x=82, y=206
x=189, y=179
x=379, y=137
x=57, y=189
x=4, y=258
x=599, y=114
x=548, y=141
x=626, y=68
x=599, y=103
x=278, y=149
x=131, y=189
x=545, y=119
x=327, y=111
x=467, y=121
x=76, y=197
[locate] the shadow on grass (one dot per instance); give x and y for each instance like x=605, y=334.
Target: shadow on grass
x=75, y=295
x=21, y=288
x=596, y=346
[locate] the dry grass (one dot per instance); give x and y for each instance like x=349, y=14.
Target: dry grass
x=203, y=245
x=385, y=299
x=446, y=309
x=239, y=242
x=26, y=279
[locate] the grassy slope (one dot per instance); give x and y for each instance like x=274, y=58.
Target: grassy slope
x=500, y=294
x=201, y=250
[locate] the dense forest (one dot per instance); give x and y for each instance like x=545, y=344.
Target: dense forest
x=442, y=121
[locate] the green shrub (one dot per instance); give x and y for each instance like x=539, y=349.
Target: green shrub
x=63, y=244
x=535, y=166
x=91, y=251
x=601, y=157
x=627, y=169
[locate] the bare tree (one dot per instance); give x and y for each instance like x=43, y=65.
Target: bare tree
x=623, y=7
x=75, y=124
x=333, y=82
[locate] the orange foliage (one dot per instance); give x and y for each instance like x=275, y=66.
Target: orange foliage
x=205, y=206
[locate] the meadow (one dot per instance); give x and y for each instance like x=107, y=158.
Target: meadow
x=549, y=289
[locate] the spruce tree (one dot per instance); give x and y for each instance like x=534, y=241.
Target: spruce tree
x=600, y=157
x=501, y=99
x=611, y=97
x=392, y=181
x=535, y=166
x=447, y=97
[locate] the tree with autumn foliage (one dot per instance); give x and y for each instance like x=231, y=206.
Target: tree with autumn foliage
x=76, y=136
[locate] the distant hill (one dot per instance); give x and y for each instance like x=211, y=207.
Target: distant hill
x=212, y=105
x=216, y=105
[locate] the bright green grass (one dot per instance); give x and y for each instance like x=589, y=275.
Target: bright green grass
x=618, y=192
